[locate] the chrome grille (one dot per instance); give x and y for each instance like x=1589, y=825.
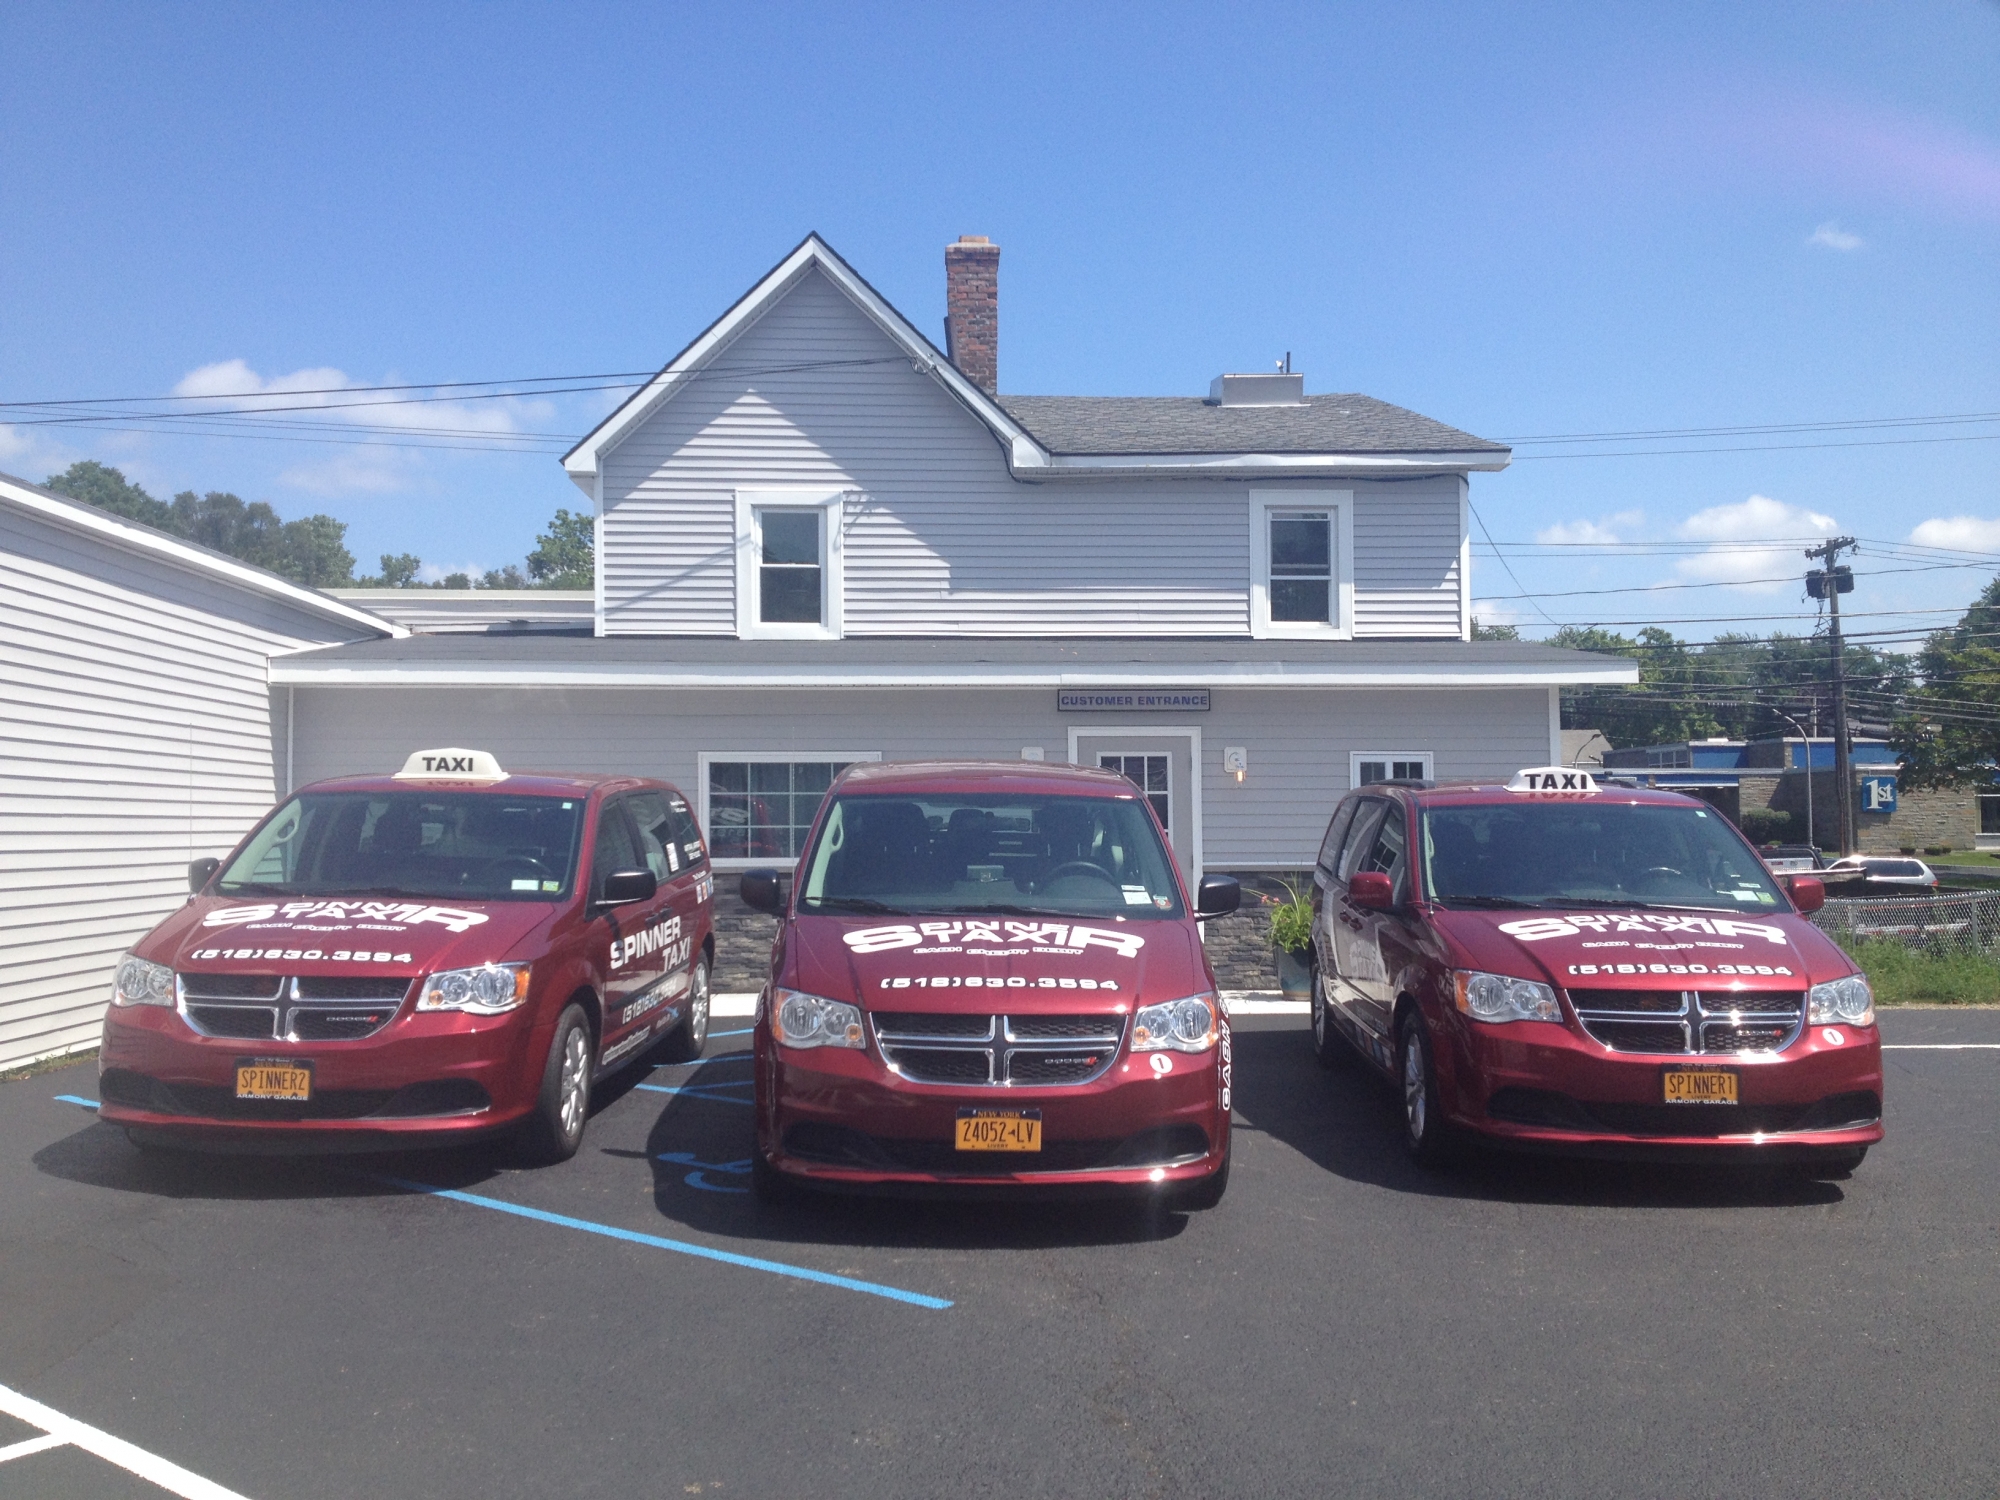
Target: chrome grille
x=1708, y=1022
x=996, y=1051
x=286, y=1008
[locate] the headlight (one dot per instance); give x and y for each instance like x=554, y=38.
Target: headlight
x=142, y=983
x=802, y=1020
x=1842, y=1002
x=1184, y=1025
x=1495, y=997
x=488, y=990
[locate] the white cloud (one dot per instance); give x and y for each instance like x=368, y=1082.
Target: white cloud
x=26, y=454
x=1754, y=538
x=1831, y=236
x=1578, y=533
x=324, y=396
x=1960, y=533
x=1493, y=612
x=438, y=572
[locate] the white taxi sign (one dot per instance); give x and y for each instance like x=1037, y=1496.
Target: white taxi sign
x=1552, y=779
x=451, y=765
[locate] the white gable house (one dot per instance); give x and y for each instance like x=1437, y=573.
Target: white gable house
x=822, y=540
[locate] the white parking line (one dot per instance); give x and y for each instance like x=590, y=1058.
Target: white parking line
x=150, y=1467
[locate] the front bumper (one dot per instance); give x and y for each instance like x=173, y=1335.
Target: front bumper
x=840, y=1119
x=1541, y=1086
x=422, y=1079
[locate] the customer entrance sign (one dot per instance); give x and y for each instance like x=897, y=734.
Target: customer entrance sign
x=1132, y=700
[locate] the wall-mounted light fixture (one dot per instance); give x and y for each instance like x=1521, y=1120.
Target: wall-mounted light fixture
x=1235, y=761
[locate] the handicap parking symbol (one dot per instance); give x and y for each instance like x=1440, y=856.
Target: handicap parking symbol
x=695, y=1179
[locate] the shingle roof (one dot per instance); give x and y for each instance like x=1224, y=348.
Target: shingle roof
x=1188, y=424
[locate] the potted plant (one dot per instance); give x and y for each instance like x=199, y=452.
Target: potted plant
x=1291, y=938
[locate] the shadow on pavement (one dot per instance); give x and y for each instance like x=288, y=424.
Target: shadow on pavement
x=699, y=1151
x=1348, y=1120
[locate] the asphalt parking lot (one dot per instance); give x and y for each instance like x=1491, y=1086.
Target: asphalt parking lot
x=635, y=1324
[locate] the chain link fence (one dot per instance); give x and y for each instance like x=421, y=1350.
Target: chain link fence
x=1941, y=926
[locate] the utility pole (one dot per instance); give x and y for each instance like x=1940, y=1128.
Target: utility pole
x=1829, y=583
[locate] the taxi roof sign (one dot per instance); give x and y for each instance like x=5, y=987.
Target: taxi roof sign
x=451, y=765
x=1552, y=779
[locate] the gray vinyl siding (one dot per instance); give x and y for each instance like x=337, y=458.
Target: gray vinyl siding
x=939, y=539
x=1299, y=742
x=136, y=734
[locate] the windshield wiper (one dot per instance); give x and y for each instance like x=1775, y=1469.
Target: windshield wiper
x=1007, y=909
x=854, y=903
x=1507, y=903
x=1610, y=903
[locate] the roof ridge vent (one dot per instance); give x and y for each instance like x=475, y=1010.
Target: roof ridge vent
x=1278, y=389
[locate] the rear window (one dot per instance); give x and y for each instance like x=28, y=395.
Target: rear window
x=1893, y=867
x=469, y=846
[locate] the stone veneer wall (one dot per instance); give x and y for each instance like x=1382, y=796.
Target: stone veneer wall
x=1921, y=820
x=1239, y=945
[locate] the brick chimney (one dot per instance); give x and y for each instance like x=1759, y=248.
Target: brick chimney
x=972, y=309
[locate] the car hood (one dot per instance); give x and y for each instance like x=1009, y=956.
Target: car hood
x=338, y=935
x=964, y=965
x=1647, y=949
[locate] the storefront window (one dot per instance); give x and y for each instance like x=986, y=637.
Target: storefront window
x=762, y=809
x=1989, y=812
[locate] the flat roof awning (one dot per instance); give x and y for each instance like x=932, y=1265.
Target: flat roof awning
x=712, y=662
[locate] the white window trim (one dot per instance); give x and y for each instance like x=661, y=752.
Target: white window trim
x=1138, y=734
x=704, y=759
x=832, y=507
x=1355, y=757
x=1341, y=504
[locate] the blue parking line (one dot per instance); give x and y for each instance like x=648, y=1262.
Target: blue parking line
x=680, y=1247
x=744, y=1032
x=74, y=1099
x=708, y=1062
x=700, y=1091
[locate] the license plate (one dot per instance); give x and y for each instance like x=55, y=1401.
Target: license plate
x=999, y=1130
x=1700, y=1086
x=273, y=1080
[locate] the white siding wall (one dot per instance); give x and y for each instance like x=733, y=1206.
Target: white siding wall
x=136, y=733
x=940, y=540
x=1298, y=742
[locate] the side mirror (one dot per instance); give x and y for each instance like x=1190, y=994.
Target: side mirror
x=1217, y=896
x=1808, y=893
x=624, y=887
x=1372, y=890
x=761, y=891
x=201, y=872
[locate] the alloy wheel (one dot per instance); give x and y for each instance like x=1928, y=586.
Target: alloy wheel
x=575, y=1079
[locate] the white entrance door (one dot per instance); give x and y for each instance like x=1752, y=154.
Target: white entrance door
x=1161, y=763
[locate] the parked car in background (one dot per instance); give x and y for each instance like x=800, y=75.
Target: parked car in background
x=1553, y=966
x=1791, y=859
x=416, y=959
x=1883, y=874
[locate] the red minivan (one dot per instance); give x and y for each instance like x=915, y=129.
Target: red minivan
x=987, y=975
x=1558, y=965
x=416, y=959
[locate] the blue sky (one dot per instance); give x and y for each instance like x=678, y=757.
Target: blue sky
x=1526, y=222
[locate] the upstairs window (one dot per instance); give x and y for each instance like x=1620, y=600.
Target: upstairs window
x=788, y=564
x=1366, y=767
x=1302, y=563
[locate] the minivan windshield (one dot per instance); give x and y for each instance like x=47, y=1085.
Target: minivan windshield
x=1029, y=855
x=465, y=845
x=1596, y=852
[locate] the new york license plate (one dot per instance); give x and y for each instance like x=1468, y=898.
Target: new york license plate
x=1700, y=1086
x=274, y=1080
x=999, y=1130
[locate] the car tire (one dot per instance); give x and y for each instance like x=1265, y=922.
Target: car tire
x=688, y=1040
x=554, y=1131
x=1329, y=1047
x=1427, y=1135
x=767, y=1183
x=1206, y=1193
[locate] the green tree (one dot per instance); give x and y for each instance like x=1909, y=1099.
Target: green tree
x=509, y=577
x=106, y=488
x=1950, y=733
x=1493, y=632
x=566, y=554
x=399, y=571
x=311, y=551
